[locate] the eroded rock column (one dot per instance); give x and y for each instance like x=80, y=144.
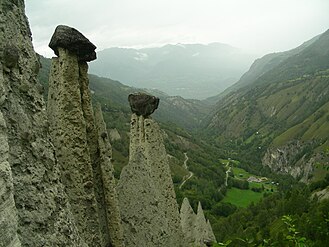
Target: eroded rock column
x=202, y=232
x=110, y=201
x=81, y=143
x=147, y=199
x=197, y=231
x=188, y=218
x=70, y=127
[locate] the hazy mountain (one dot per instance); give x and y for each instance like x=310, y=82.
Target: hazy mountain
x=283, y=107
x=259, y=67
x=189, y=70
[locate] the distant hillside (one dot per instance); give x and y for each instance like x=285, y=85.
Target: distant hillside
x=280, y=116
x=191, y=71
x=261, y=66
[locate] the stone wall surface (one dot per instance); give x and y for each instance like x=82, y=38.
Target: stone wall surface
x=42, y=209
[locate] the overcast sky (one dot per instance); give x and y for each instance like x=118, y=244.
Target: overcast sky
x=257, y=26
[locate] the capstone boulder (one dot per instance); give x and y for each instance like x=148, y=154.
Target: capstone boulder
x=71, y=39
x=143, y=104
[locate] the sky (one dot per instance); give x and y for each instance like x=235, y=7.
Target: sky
x=254, y=26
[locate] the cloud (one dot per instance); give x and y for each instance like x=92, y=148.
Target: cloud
x=255, y=25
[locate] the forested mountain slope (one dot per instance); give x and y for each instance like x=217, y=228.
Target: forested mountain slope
x=282, y=116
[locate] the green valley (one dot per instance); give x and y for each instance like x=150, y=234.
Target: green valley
x=273, y=124
x=113, y=142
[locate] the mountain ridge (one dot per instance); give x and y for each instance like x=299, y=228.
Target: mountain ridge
x=261, y=66
x=189, y=70
x=287, y=103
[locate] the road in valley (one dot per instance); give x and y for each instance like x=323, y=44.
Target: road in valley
x=227, y=172
x=189, y=176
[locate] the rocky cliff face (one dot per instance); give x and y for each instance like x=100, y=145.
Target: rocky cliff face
x=81, y=142
x=8, y=213
x=33, y=203
x=292, y=159
x=146, y=194
x=197, y=231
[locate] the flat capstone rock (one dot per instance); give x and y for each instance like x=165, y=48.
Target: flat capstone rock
x=71, y=39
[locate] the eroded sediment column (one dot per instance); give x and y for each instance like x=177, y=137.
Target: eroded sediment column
x=210, y=234
x=203, y=233
x=146, y=194
x=70, y=127
x=110, y=197
x=82, y=147
x=197, y=231
x=188, y=218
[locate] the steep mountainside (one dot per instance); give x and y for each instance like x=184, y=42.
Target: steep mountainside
x=260, y=67
x=282, y=117
x=191, y=70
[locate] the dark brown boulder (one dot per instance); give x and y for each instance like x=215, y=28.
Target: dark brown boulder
x=143, y=104
x=71, y=39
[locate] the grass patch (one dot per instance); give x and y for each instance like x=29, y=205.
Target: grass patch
x=242, y=198
x=255, y=185
x=320, y=171
x=241, y=173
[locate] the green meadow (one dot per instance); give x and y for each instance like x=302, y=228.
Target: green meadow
x=242, y=198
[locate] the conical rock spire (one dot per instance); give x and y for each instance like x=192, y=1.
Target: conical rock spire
x=146, y=193
x=197, y=231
